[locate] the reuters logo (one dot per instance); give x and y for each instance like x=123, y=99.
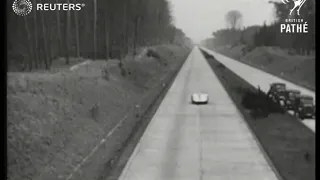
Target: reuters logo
x=22, y=7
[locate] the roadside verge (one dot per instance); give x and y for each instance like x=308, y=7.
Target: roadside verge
x=287, y=142
x=58, y=123
x=127, y=134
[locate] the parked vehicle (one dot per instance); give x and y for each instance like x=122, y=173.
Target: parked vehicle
x=277, y=92
x=306, y=108
x=199, y=98
x=290, y=98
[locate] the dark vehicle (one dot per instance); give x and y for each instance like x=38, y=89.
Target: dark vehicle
x=306, y=108
x=290, y=98
x=277, y=92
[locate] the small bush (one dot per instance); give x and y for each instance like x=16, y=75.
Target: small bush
x=122, y=69
x=221, y=66
x=123, y=72
x=152, y=53
x=307, y=156
x=259, y=103
x=105, y=73
x=94, y=111
x=120, y=65
x=208, y=56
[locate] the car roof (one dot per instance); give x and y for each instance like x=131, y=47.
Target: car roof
x=306, y=97
x=278, y=83
x=293, y=90
x=199, y=93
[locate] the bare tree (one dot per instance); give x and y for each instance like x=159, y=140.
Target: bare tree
x=124, y=25
x=45, y=42
x=67, y=37
x=124, y=29
x=59, y=32
x=95, y=29
x=233, y=19
x=77, y=33
x=30, y=44
x=107, y=34
x=35, y=23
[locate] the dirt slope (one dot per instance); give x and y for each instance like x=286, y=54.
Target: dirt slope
x=55, y=120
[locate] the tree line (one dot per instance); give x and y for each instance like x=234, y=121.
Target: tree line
x=100, y=30
x=270, y=35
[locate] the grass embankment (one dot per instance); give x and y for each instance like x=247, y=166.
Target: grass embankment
x=56, y=120
x=294, y=68
x=289, y=144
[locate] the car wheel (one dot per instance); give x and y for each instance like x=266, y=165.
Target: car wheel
x=301, y=116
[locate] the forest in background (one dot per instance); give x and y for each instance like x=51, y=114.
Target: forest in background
x=101, y=30
x=269, y=35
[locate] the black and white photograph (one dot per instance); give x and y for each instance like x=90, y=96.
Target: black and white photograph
x=161, y=90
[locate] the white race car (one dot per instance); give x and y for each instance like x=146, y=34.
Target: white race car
x=199, y=98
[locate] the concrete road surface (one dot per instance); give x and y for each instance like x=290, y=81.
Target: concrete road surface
x=197, y=142
x=257, y=77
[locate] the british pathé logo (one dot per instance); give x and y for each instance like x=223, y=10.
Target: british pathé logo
x=294, y=25
x=297, y=4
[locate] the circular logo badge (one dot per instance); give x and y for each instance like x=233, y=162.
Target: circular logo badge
x=22, y=7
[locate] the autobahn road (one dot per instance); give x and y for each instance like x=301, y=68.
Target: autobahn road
x=197, y=142
x=257, y=77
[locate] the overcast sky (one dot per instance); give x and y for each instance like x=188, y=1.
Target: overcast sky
x=199, y=18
